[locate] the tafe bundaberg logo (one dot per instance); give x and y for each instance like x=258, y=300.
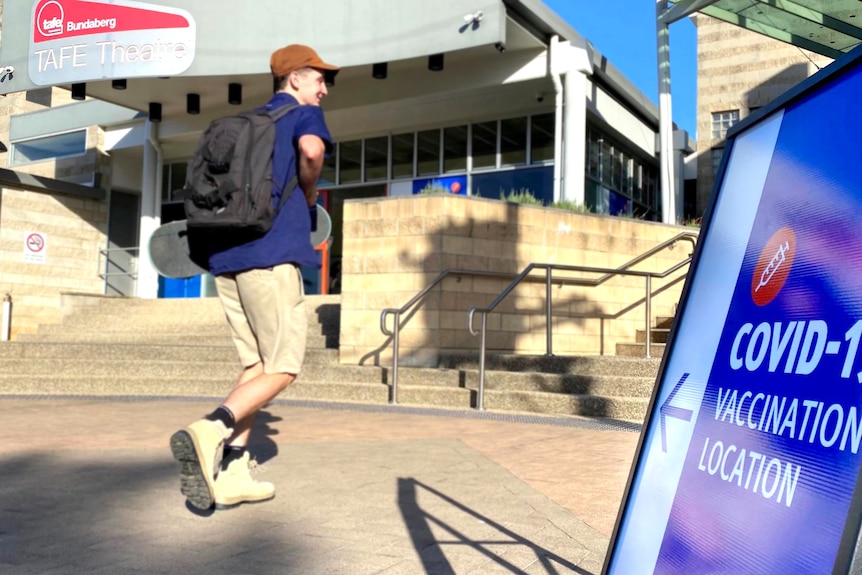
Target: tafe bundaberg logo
x=49, y=20
x=773, y=266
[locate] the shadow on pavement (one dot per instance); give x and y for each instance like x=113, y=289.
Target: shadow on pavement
x=419, y=523
x=261, y=446
x=120, y=511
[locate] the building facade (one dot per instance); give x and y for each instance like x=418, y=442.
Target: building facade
x=738, y=71
x=486, y=99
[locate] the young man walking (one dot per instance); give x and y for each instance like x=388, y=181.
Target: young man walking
x=260, y=287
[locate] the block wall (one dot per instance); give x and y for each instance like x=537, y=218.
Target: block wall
x=396, y=247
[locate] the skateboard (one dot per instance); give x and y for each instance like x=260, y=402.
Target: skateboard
x=172, y=257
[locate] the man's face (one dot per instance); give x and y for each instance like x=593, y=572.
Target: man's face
x=310, y=86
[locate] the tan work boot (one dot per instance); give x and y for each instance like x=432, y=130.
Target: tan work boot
x=234, y=485
x=199, y=448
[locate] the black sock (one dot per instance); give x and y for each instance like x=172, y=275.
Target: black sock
x=231, y=453
x=224, y=415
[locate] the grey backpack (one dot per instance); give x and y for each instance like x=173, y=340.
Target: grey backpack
x=229, y=181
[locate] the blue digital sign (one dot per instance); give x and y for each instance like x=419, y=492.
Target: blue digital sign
x=750, y=455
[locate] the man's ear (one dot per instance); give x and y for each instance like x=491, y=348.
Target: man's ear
x=293, y=80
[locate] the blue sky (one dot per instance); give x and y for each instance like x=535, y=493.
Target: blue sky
x=624, y=32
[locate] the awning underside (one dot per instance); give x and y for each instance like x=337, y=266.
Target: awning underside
x=827, y=27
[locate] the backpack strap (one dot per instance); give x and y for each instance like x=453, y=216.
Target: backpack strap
x=276, y=115
x=281, y=112
x=290, y=185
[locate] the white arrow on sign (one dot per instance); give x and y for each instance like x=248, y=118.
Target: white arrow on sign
x=668, y=410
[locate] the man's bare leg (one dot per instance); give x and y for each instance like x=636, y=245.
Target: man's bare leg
x=252, y=391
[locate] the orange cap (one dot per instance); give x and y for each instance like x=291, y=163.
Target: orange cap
x=295, y=57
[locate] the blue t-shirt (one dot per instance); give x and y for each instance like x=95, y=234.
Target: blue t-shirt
x=289, y=239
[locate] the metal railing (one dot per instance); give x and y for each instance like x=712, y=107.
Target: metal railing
x=398, y=312
x=623, y=270
x=124, y=266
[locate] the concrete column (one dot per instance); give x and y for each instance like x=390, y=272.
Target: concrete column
x=148, y=277
x=575, y=136
x=570, y=65
x=681, y=148
x=668, y=195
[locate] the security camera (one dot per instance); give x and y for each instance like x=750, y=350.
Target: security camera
x=474, y=18
x=540, y=97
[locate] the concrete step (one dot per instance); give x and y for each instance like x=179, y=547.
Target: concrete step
x=128, y=304
x=565, y=383
x=664, y=321
x=103, y=313
x=633, y=350
x=216, y=388
x=313, y=341
x=436, y=396
x=161, y=325
x=657, y=335
x=430, y=376
x=583, y=365
x=624, y=408
x=133, y=351
x=178, y=371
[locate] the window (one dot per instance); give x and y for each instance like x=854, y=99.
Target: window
x=48, y=147
x=628, y=175
x=715, y=156
x=376, y=154
x=542, y=138
x=173, y=180
x=402, y=156
x=513, y=142
x=651, y=186
x=485, y=145
x=455, y=149
x=637, y=181
x=350, y=162
x=428, y=153
x=721, y=123
x=607, y=161
x=327, y=172
x=594, y=154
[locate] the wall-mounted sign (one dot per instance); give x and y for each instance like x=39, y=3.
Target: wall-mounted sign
x=35, y=246
x=751, y=454
x=80, y=40
x=449, y=185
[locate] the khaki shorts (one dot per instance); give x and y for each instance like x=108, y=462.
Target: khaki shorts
x=267, y=317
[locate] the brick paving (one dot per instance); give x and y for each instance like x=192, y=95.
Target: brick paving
x=89, y=486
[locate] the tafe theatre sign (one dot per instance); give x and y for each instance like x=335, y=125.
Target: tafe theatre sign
x=80, y=40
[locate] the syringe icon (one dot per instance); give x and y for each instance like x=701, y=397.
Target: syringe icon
x=776, y=261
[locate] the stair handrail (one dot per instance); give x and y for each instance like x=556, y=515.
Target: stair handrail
x=398, y=312
x=106, y=254
x=624, y=269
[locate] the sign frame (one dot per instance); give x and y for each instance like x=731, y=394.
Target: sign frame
x=849, y=554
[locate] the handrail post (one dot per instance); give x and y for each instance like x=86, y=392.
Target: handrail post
x=480, y=398
x=395, y=331
x=647, y=306
x=548, y=315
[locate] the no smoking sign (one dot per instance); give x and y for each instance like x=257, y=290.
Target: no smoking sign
x=34, y=247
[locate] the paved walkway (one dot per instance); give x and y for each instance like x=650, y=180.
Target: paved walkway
x=89, y=486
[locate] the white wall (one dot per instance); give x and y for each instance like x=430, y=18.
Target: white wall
x=633, y=129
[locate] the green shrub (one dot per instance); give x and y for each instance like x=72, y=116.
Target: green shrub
x=429, y=189
x=523, y=196
x=571, y=206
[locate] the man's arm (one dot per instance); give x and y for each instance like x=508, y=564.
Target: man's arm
x=311, y=151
